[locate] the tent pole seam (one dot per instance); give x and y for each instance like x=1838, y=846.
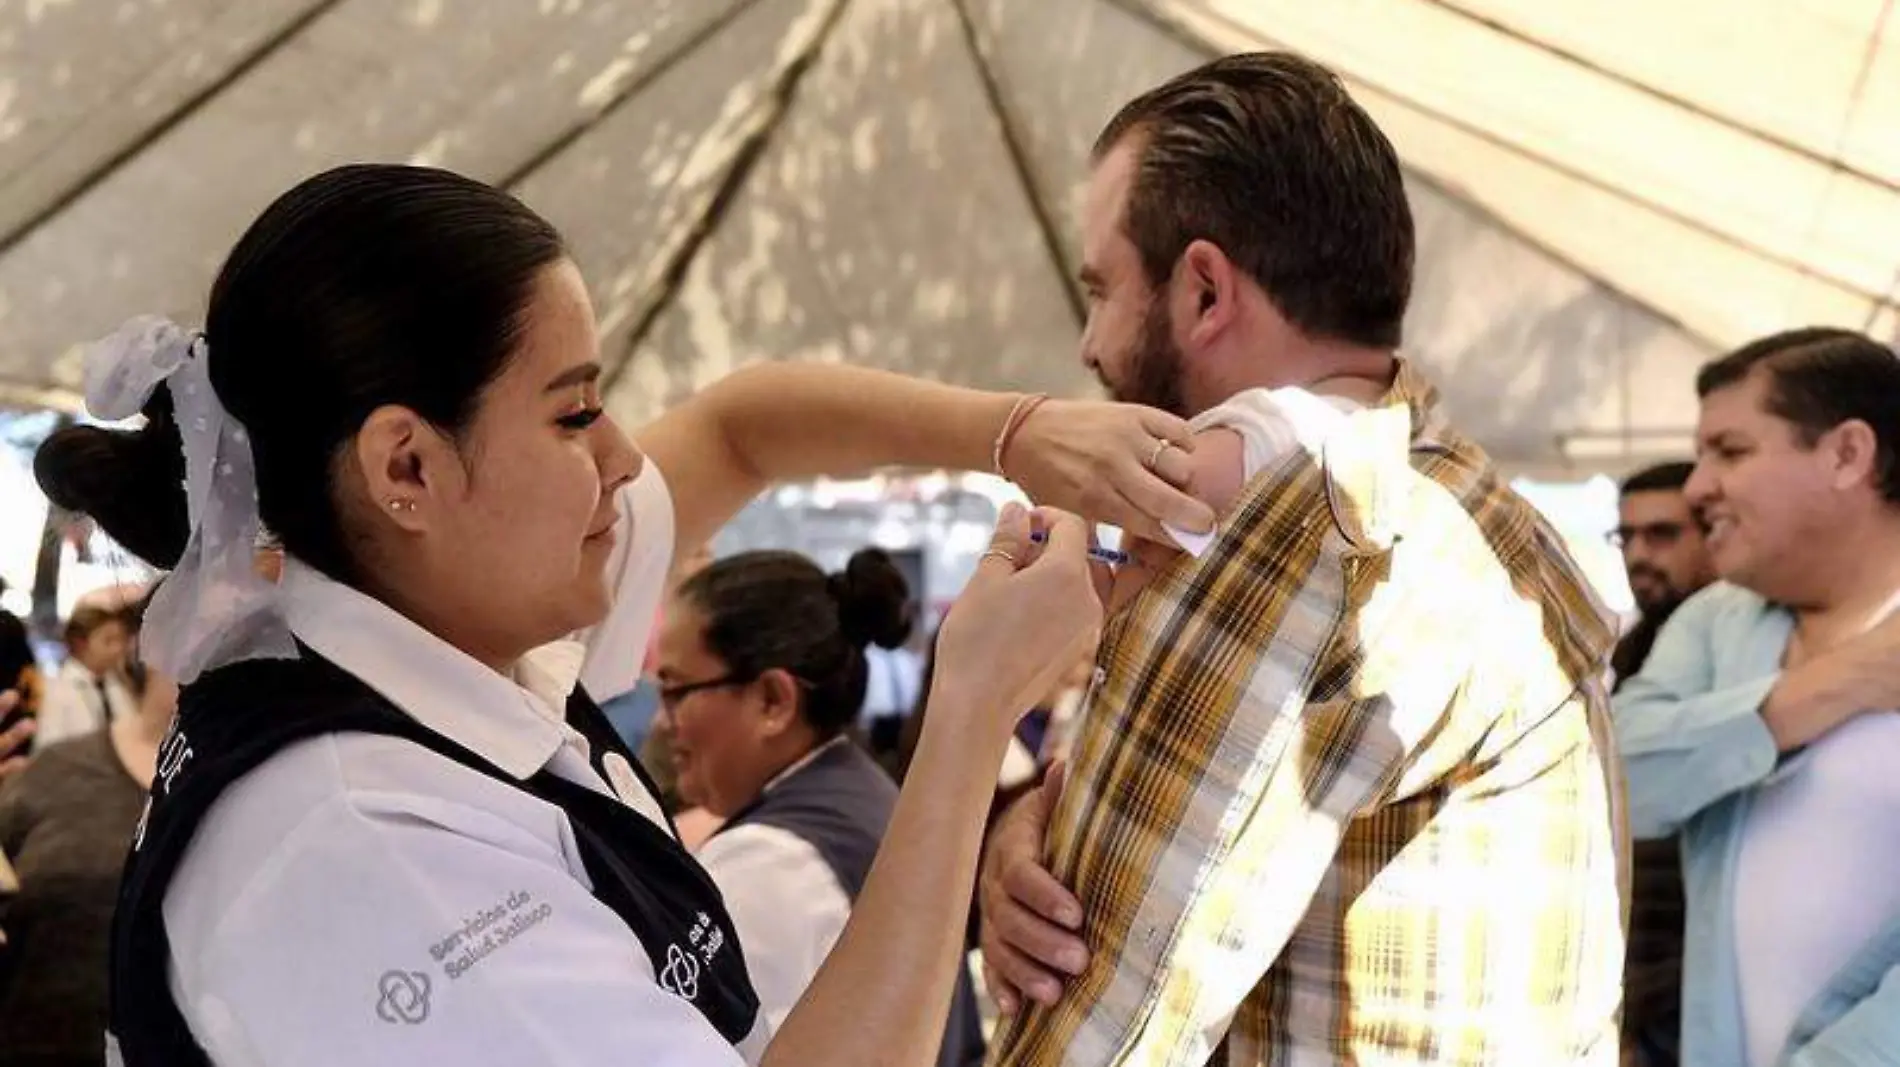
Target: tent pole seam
x=1832, y=162
x=783, y=91
x=568, y=137
x=172, y=119
x=1019, y=162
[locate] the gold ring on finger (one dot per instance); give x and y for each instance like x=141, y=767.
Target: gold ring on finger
x=997, y=553
x=1154, y=457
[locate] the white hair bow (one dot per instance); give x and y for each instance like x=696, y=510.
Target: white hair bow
x=214, y=608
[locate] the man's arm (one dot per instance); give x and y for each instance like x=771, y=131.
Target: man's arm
x=1868, y=1035
x=1028, y=920
x=1202, y=961
x=1685, y=743
x=1688, y=744
x=1213, y=785
x=1856, y=676
x=780, y=422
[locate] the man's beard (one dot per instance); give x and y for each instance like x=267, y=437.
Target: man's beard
x=1154, y=366
x=1661, y=610
x=1666, y=598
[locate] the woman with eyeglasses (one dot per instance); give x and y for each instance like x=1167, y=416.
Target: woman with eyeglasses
x=390, y=825
x=762, y=670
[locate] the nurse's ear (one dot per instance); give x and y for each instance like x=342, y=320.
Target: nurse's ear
x=780, y=692
x=408, y=468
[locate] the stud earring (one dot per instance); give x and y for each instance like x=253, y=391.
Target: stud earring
x=399, y=504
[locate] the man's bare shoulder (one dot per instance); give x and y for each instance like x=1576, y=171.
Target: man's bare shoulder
x=1219, y=464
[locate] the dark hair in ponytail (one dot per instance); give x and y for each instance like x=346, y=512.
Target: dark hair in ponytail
x=365, y=286
x=130, y=483
x=778, y=611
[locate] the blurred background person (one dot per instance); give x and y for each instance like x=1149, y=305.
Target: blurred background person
x=14, y=741
x=19, y=669
x=1761, y=729
x=762, y=672
x=66, y=823
x=893, y=689
x=1060, y=712
x=1043, y=738
x=90, y=690
x=1044, y=735
x=635, y=714
x=1660, y=537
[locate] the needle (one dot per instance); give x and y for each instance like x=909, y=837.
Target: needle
x=1096, y=552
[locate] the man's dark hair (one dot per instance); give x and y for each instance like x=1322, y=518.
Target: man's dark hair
x=1820, y=377
x=1661, y=477
x=1266, y=156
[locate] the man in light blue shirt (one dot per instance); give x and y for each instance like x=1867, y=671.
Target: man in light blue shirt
x=1762, y=729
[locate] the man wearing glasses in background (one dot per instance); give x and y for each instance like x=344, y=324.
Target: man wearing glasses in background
x=1661, y=541
x=1663, y=554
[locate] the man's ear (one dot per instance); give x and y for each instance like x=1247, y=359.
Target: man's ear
x=1210, y=286
x=1852, y=452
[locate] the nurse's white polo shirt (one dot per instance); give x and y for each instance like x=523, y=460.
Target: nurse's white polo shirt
x=353, y=854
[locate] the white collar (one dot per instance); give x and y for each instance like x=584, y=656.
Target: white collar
x=804, y=761
x=79, y=672
x=518, y=724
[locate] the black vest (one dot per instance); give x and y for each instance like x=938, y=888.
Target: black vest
x=841, y=803
x=233, y=719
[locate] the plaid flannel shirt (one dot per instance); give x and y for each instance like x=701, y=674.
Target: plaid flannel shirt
x=1346, y=789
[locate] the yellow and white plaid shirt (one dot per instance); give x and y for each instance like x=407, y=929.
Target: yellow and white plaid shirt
x=1345, y=792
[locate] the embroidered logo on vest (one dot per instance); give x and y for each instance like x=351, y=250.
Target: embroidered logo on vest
x=681, y=976
x=405, y=997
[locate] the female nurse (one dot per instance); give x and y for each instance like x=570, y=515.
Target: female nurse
x=389, y=825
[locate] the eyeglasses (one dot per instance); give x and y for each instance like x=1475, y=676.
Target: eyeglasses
x=672, y=695
x=1660, y=534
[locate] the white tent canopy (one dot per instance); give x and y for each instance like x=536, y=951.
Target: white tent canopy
x=1606, y=194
